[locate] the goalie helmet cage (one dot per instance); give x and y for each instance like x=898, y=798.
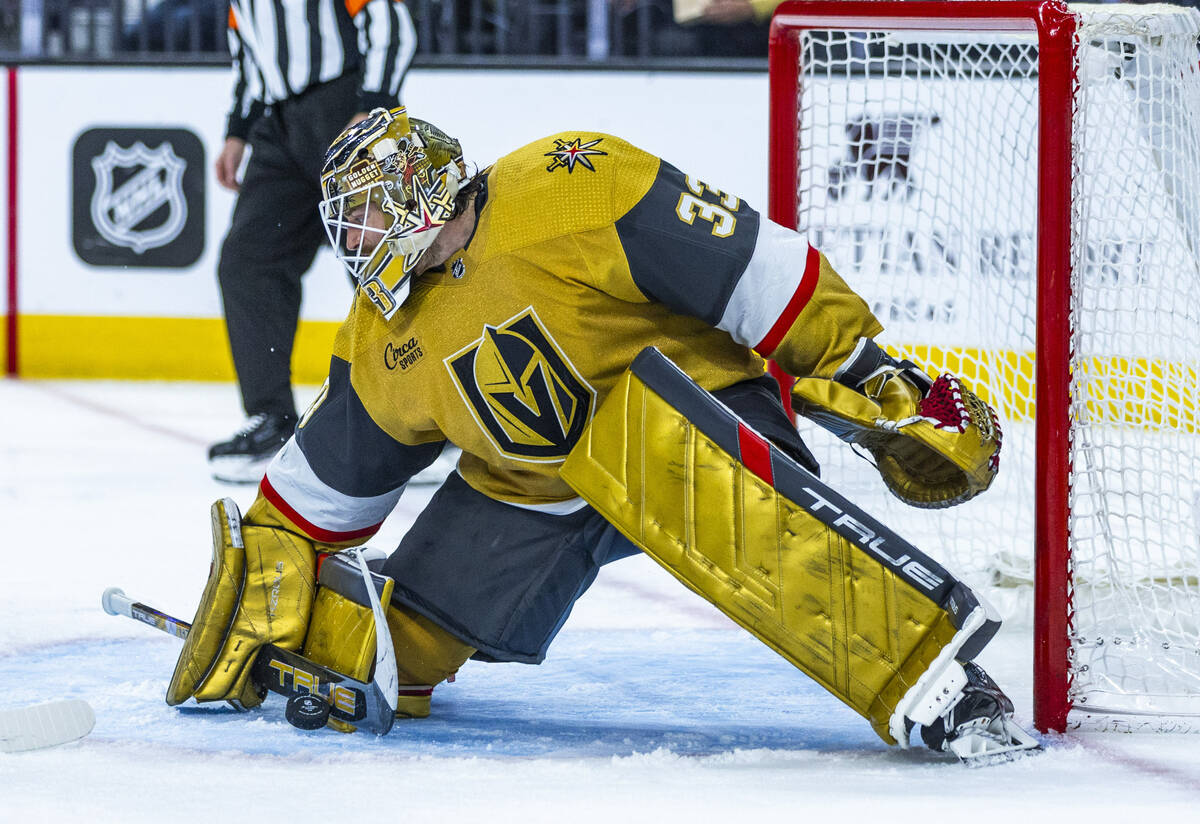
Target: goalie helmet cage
x=1014, y=186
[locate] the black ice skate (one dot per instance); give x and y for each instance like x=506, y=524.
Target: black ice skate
x=244, y=457
x=977, y=726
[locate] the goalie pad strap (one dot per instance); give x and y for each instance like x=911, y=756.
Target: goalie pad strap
x=836, y=593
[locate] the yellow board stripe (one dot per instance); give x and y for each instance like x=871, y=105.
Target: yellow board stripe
x=1140, y=393
x=129, y=348
x=1002, y=378
x=1135, y=393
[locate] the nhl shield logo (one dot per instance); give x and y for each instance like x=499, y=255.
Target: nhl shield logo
x=147, y=209
x=138, y=197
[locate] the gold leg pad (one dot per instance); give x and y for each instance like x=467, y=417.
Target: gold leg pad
x=342, y=637
x=823, y=603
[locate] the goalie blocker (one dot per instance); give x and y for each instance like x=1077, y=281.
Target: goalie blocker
x=264, y=592
x=870, y=617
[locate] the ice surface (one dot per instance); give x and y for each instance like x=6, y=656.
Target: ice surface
x=650, y=707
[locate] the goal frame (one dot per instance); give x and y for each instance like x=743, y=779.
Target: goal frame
x=1055, y=28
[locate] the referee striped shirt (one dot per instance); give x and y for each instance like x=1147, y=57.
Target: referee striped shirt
x=282, y=47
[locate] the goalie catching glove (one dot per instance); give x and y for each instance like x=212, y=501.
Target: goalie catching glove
x=935, y=443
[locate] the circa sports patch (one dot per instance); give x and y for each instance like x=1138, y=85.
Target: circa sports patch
x=402, y=355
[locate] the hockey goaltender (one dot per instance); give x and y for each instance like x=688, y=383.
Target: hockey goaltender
x=589, y=324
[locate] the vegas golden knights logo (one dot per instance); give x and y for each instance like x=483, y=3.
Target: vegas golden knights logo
x=522, y=390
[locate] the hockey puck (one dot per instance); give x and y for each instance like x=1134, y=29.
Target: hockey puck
x=308, y=711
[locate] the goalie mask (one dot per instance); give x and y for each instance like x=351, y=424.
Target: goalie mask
x=388, y=188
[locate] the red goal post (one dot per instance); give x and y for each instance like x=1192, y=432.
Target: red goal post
x=803, y=173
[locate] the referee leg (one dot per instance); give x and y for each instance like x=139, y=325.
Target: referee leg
x=273, y=237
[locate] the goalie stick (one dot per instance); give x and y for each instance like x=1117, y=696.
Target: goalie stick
x=45, y=725
x=371, y=705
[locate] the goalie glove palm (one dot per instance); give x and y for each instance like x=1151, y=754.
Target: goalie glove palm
x=934, y=445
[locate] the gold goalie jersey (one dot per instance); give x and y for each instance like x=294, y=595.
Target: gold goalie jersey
x=586, y=251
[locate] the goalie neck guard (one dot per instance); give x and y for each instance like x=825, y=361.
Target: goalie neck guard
x=388, y=187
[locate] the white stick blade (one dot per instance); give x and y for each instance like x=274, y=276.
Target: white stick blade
x=45, y=725
x=385, y=655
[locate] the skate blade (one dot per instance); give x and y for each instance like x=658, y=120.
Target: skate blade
x=1000, y=743
x=991, y=759
x=237, y=470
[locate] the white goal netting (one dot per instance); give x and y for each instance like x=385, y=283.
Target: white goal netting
x=918, y=178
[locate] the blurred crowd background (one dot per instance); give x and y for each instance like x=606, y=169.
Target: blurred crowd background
x=509, y=32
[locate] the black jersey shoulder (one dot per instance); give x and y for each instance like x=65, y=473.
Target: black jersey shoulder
x=688, y=245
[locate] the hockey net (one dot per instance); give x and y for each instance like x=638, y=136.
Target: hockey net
x=1013, y=186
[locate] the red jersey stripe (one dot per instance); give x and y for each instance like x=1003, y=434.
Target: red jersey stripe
x=313, y=531
x=800, y=298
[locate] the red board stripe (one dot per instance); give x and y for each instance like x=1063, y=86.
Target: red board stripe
x=800, y=298
x=755, y=453
x=10, y=319
x=327, y=536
